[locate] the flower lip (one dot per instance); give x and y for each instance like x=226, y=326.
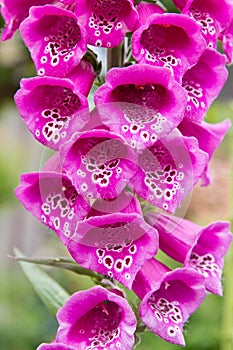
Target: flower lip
x=94, y=318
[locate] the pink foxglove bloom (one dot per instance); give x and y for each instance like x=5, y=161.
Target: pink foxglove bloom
x=95, y=319
x=106, y=22
x=201, y=248
x=209, y=137
x=48, y=105
x=168, y=298
x=169, y=40
x=168, y=170
x=203, y=83
x=115, y=244
x=99, y=163
x=141, y=103
x=56, y=40
x=227, y=40
x=53, y=200
x=213, y=15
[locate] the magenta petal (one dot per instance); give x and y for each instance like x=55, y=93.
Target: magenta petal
x=168, y=170
x=141, y=103
x=227, y=39
x=53, y=200
x=99, y=163
x=55, y=39
x=116, y=245
x=202, y=248
x=96, y=318
x=203, y=83
x=213, y=16
x=209, y=137
x=172, y=297
x=48, y=105
x=106, y=26
x=169, y=40
x=55, y=346
x=15, y=11
x=145, y=10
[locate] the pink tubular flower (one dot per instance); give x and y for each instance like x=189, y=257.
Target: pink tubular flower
x=213, y=15
x=53, y=200
x=169, y=40
x=201, y=248
x=145, y=10
x=99, y=162
x=115, y=244
x=209, y=137
x=48, y=105
x=168, y=170
x=106, y=22
x=168, y=298
x=203, y=83
x=55, y=39
x=141, y=103
x=95, y=319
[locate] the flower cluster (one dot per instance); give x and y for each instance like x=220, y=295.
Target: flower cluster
x=145, y=141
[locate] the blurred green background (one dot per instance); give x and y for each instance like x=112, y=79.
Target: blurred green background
x=25, y=322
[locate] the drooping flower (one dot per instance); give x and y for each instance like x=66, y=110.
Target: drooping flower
x=95, y=319
x=169, y=40
x=209, y=137
x=48, y=105
x=115, y=244
x=168, y=170
x=99, y=163
x=56, y=40
x=140, y=102
x=203, y=83
x=213, y=15
x=106, y=22
x=168, y=298
x=53, y=200
x=201, y=248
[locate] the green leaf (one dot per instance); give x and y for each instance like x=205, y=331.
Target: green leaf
x=50, y=292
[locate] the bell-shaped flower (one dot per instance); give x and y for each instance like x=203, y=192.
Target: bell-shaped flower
x=94, y=319
x=203, y=83
x=209, y=137
x=115, y=244
x=141, y=103
x=49, y=105
x=227, y=41
x=169, y=40
x=168, y=170
x=213, y=16
x=99, y=163
x=56, y=40
x=168, y=298
x=201, y=248
x=106, y=23
x=53, y=200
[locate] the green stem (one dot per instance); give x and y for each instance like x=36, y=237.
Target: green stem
x=115, y=56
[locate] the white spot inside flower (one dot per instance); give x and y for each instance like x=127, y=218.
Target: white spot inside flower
x=119, y=265
x=127, y=276
x=171, y=331
x=41, y=72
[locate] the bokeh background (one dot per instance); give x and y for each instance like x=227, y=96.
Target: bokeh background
x=24, y=320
